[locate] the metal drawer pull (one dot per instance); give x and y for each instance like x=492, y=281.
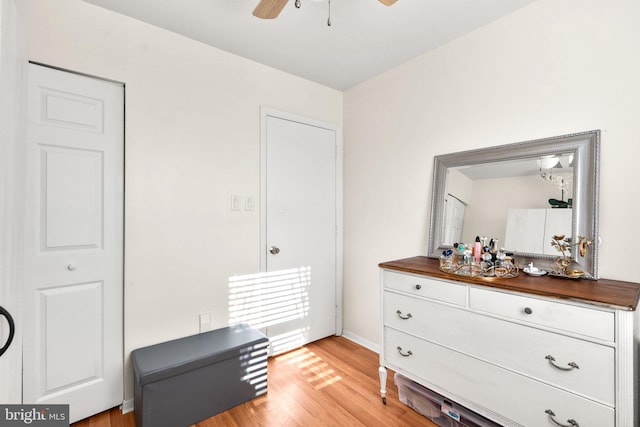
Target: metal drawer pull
x=407, y=354
x=572, y=365
x=572, y=423
x=408, y=316
x=527, y=310
x=418, y=287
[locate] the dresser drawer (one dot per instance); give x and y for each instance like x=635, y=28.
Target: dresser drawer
x=425, y=287
x=589, y=322
x=512, y=396
x=516, y=347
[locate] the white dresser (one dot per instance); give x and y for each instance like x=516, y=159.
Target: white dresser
x=522, y=352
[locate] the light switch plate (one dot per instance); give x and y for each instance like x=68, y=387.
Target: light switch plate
x=250, y=204
x=236, y=202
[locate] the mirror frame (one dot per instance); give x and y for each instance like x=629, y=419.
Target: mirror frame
x=585, y=147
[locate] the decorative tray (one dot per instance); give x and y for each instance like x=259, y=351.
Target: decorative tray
x=571, y=274
x=475, y=270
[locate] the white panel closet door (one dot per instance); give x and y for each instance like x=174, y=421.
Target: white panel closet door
x=73, y=268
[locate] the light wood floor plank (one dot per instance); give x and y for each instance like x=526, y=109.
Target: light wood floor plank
x=331, y=382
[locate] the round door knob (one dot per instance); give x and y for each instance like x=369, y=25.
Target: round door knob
x=71, y=267
x=527, y=310
x=274, y=250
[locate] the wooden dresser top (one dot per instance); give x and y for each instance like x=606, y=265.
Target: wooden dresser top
x=603, y=291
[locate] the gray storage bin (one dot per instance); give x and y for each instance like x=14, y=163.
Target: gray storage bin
x=430, y=404
x=184, y=381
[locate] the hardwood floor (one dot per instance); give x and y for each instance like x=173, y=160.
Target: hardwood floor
x=331, y=382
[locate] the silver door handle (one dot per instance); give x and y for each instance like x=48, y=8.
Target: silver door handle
x=274, y=250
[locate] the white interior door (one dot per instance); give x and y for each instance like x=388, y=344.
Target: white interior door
x=73, y=284
x=301, y=239
x=453, y=220
x=13, y=84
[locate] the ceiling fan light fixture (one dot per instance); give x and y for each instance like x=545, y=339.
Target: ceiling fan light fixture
x=549, y=162
x=270, y=9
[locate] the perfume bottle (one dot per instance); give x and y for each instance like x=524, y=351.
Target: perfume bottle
x=493, y=246
x=487, y=264
x=446, y=260
x=477, y=250
x=500, y=267
x=465, y=254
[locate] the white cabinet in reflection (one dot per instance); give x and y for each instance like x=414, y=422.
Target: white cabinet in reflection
x=531, y=230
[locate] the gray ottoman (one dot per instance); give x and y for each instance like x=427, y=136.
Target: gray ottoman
x=181, y=382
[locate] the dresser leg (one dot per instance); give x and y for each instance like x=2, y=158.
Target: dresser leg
x=383, y=383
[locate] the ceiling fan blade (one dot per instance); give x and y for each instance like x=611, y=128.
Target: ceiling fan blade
x=269, y=9
x=388, y=2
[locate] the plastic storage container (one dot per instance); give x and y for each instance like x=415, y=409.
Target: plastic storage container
x=438, y=409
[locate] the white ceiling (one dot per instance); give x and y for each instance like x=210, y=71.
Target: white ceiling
x=365, y=39
x=518, y=167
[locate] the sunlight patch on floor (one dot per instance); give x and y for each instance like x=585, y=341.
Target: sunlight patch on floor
x=317, y=372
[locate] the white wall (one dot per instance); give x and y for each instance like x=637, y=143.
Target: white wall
x=552, y=68
x=486, y=213
x=459, y=185
x=192, y=139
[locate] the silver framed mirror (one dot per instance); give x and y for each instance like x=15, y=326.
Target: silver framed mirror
x=519, y=195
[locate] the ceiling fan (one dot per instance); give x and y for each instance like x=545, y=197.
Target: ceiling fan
x=270, y=9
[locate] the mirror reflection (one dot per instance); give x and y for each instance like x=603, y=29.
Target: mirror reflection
x=518, y=204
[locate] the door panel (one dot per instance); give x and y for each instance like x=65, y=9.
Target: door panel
x=73, y=284
x=82, y=171
x=301, y=223
x=72, y=111
x=64, y=332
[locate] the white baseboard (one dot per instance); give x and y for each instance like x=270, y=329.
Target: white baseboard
x=127, y=406
x=362, y=341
